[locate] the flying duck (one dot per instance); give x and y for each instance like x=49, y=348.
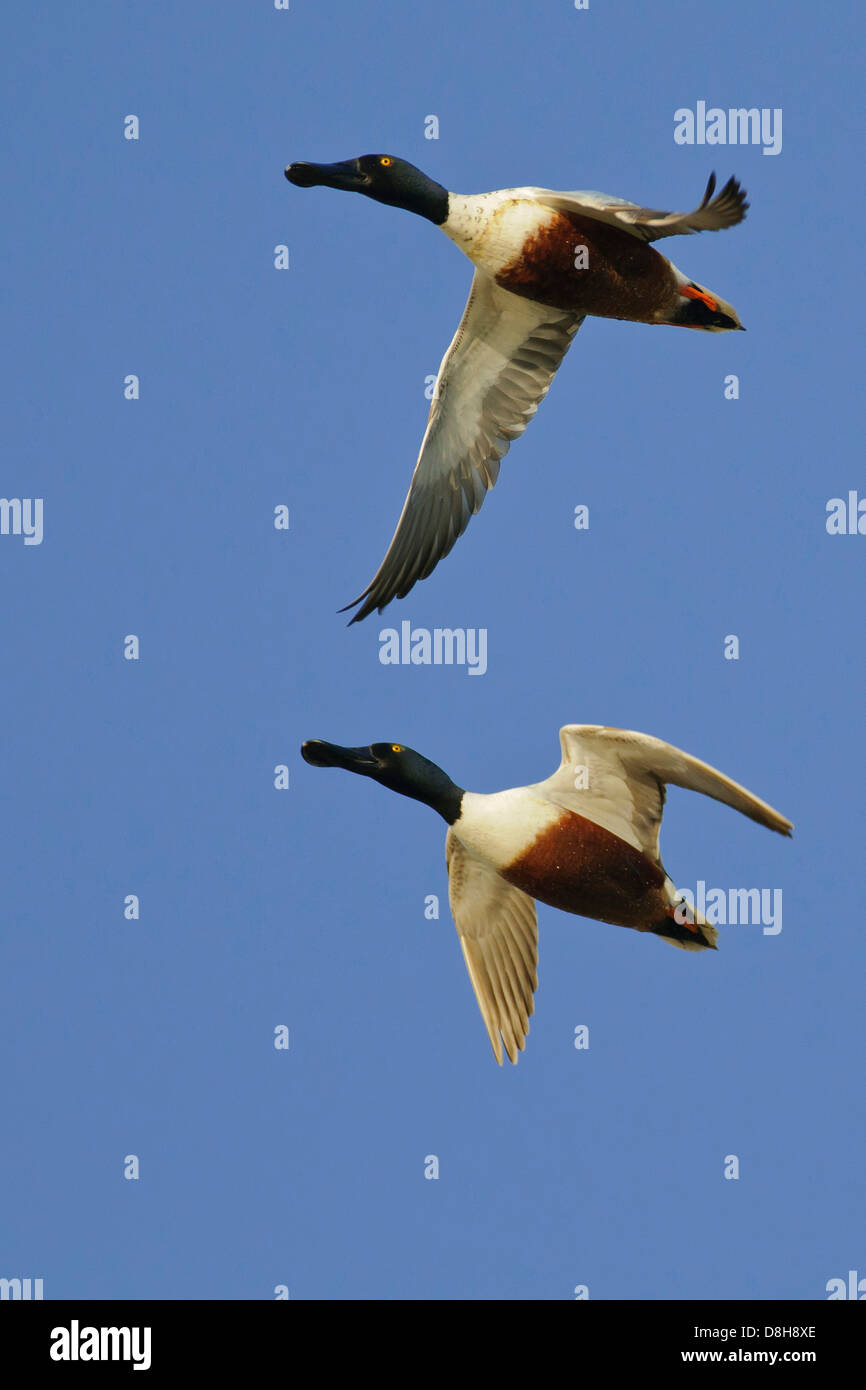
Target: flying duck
x=543, y=261
x=585, y=840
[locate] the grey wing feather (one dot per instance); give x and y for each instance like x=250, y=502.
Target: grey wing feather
x=492, y=378
x=712, y=214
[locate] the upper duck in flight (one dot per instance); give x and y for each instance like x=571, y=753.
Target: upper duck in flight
x=585, y=840
x=543, y=261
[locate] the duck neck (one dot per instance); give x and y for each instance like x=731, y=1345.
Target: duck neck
x=443, y=795
x=429, y=200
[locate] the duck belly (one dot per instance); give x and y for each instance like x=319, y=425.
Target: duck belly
x=577, y=263
x=580, y=867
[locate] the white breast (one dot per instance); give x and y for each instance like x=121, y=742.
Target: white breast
x=492, y=228
x=498, y=828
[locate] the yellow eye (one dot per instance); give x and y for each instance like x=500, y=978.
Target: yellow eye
x=396, y=748
x=385, y=160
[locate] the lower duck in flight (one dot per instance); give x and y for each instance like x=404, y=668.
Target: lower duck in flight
x=543, y=261
x=585, y=840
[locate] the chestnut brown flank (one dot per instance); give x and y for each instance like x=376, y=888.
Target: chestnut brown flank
x=580, y=867
x=624, y=278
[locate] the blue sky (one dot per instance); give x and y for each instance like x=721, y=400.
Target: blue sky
x=305, y=907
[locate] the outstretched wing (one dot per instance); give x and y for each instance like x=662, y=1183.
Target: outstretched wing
x=617, y=778
x=498, y=931
x=492, y=377
x=711, y=215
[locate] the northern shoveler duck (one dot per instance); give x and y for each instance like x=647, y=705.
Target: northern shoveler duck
x=585, y=840
x=543, y=261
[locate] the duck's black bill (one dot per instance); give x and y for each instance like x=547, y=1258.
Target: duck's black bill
x=346, y=175
x=320, y=754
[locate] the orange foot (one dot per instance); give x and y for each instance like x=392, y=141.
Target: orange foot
x=691, y=293
x=671, y=911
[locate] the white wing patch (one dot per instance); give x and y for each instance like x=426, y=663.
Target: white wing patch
x=617, y=778
x=498, y=931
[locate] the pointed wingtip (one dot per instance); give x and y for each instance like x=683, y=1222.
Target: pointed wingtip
x=361, y=614
x=365, y=604
x=774, y=820
x=356, y=617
